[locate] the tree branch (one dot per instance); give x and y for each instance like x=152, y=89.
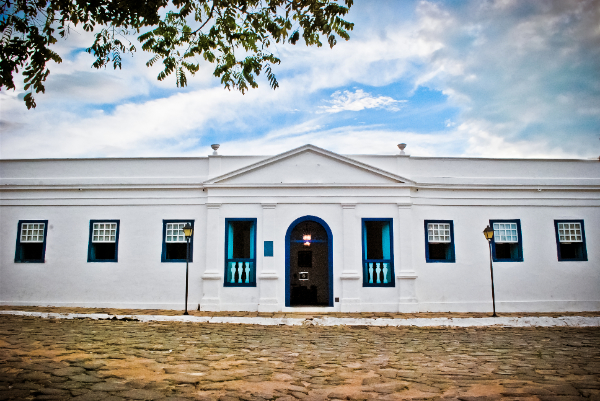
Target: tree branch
x=208, y=18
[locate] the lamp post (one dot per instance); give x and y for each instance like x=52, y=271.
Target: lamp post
x=489, y=234
x=187, y=231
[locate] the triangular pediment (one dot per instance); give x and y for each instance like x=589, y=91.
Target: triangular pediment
x=308, y=164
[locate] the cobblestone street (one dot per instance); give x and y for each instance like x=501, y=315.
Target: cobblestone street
x=118, y=359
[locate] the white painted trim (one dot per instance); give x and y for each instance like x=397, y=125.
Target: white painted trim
x=210, y=275
x=268, y=276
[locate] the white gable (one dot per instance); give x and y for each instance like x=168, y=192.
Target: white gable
x=308, y=165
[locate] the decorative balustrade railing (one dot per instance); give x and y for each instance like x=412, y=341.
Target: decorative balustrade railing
x=240, y=272
x=378, y=272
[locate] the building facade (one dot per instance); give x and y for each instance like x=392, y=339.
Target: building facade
x=308, y=229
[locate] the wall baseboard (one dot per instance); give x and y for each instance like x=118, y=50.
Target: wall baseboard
x=511, y=306
x=502, y=306
x=99, y=305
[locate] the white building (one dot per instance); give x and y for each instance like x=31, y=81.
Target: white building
x=307, y=229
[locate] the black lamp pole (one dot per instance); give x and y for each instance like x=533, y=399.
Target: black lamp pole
x=187, y=230
x=489, y=234
x=187, y=260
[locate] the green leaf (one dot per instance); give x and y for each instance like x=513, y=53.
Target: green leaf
x=234, y=35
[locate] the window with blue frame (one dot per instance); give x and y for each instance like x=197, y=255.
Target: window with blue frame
x=439, y=241
x=240, y=252
x=570, y=240
x=378, y=253
x=103, y=245
x=31, y=241
x=507, y=244
x=174, y=245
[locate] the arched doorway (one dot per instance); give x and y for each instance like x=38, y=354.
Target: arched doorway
x=308, y=263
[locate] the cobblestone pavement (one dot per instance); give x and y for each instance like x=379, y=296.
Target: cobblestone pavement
x=85, y=359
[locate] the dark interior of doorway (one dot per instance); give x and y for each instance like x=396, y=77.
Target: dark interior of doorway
x=309, y=265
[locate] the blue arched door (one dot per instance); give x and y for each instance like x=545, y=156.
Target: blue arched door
x=308, y=263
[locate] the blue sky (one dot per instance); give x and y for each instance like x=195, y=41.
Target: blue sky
x=506, y=78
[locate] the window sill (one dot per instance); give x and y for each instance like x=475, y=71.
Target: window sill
x=381, y=285
x=239, y=284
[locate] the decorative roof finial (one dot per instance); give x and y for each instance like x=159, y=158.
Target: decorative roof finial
x=215, y=146
x=401, y=146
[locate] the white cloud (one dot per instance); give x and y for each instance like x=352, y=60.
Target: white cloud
x=482, y=142
x=166, y=126
x=523, y=77
x=359, y=100
x=469, y=139
x=371, y=139
x=522, y=72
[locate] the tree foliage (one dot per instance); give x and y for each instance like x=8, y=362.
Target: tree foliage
x=235, y=35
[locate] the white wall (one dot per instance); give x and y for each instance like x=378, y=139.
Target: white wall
x=539, y=283
x=141, y=193
x=137, y=280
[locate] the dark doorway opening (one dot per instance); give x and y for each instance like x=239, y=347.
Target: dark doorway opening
x=309, y=265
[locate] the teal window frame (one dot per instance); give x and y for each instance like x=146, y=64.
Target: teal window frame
x=580, y=249
x=516, y=248
x=247, y=277
x=450, y=253
x=92, y=245
x=20, y=252
x=376, y=277
x=164, y=253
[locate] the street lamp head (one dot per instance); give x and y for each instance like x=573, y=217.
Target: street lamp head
x=188, y=230
x=489, y=233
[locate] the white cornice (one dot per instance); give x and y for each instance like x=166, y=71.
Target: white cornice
x=29, y=186
x=96, y=187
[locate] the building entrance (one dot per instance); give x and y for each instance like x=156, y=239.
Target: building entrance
x=308, y=258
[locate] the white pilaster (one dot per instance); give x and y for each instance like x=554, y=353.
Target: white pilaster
x=405, y=273
x=212, y=278
x=352, y=261
x=267, y=277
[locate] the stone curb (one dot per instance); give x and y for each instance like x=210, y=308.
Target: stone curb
x=502, y=321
